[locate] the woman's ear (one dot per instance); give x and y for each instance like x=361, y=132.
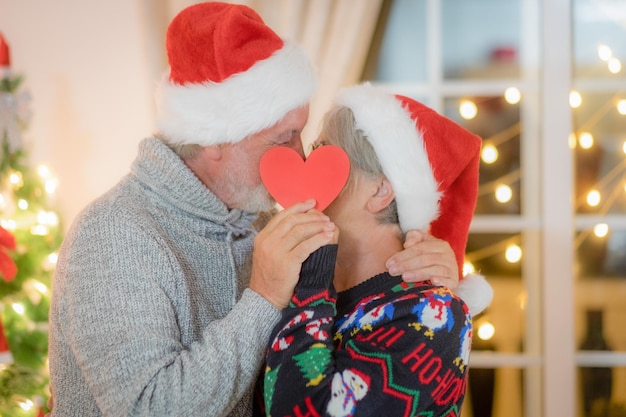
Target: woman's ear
x=382, y=197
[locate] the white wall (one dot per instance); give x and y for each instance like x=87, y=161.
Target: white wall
x=87, y=70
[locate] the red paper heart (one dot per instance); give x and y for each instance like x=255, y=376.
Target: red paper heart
x=290, y=179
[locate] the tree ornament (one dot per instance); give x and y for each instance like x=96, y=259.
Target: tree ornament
x=5, y=57
x=5, y=353
x=8, y=269
x=14, y=106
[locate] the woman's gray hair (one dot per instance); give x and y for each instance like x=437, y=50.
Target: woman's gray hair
x=339, y=129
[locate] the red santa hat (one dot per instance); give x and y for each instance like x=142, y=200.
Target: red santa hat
x=230, y=76
x=432, y=164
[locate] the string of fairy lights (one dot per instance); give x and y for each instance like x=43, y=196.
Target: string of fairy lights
x=38, y=225
x=500, y=188
x=44, y=219
x=598, y=197
x=20, y=214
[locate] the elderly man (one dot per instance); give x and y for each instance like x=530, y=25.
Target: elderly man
x=156, y=307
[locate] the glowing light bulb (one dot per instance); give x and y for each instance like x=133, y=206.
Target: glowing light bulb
x=468, y=268
x=42, y=216
x=8, y=224
x=26, y=405
x=486, y=331
x=621, y=107
x=16, y=180
x=22, y=204
x=51, y=185
x=468, y=109
x=39, y=230
x=614, y=65
x=504, y=193
x=571, y=140
x=18, y=308
x=50, y=261
x=593, y=198
x=40, y=286
x=586, y=140
x=513, y=254
x=512, y=95
x=53, y=257
x=43, y=171
x=575, y=99
x=601, y=230
x=624, y=147
x=489, y=154
x=604, y=52
x=48, y=218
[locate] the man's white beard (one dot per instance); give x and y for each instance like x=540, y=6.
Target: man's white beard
x=255, y=200
x=243, y=196
x=251, y=199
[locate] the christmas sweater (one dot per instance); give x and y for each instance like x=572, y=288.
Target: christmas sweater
x=382, y=348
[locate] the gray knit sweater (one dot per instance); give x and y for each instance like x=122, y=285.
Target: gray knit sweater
x=150, y=314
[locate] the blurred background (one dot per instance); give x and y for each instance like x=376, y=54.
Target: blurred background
x=542, y=82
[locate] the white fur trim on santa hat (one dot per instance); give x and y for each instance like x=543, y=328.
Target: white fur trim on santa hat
x=399, y=145
x=245, y=103
x=476, y=292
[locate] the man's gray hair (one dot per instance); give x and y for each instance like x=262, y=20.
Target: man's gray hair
x=184, y=151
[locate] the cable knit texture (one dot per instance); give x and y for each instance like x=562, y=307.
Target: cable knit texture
x=150, y=314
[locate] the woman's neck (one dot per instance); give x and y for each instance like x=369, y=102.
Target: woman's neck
x=363, y=255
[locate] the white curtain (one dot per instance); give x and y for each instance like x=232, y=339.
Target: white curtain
x=337, y=35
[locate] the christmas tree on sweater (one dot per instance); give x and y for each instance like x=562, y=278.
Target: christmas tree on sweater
x=30, y=235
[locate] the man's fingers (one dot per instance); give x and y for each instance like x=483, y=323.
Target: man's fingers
x=296, y=228
x=415, y=236
x=429, y=264
x=280, y=249
x=302, y=207
x=284, y=223
x=427, y=246
x=431, y=259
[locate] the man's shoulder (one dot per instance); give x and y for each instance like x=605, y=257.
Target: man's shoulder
x=117, y=207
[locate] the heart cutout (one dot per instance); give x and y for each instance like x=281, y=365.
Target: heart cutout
x=290, y=179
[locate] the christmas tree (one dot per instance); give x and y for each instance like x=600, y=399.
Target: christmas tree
x=30, y=235
x=313, y=363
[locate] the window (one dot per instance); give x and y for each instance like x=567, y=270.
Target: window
x=550, y=225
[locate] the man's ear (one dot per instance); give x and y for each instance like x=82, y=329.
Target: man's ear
x=382, y=197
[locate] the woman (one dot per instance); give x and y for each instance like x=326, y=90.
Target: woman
x=355, y=340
